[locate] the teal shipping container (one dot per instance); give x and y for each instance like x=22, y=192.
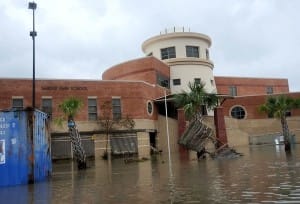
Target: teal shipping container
x=25, y=155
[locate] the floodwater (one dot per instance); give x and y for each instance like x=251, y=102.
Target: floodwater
x=265, y=174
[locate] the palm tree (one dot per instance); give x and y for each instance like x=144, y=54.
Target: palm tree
x=70, y=108
x=196, y=101
x=278, y=107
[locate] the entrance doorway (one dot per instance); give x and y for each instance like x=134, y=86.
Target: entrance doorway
x=152, y=138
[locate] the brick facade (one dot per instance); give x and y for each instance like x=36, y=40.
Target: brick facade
x=134, y=95
x=136, y=83
x=143, y=69
x=251, y=105
x=251, y=86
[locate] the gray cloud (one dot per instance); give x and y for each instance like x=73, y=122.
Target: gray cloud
x=81, y=39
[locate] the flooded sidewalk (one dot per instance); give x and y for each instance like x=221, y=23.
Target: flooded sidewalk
x=265, y=174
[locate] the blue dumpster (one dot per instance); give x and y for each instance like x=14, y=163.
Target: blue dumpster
x=24, y=147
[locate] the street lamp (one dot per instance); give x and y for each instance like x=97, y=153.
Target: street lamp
x=32, y=5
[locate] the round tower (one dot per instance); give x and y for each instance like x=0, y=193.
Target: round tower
x=187, y=55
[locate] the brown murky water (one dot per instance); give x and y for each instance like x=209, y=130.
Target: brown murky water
x=263, y=175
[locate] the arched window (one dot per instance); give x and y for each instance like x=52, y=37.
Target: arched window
x=238, y=112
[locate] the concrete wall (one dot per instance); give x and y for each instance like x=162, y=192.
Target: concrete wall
x=162, y=139
x=239, y=131
x=178, y=39
x=187, y=72
x=142, y=129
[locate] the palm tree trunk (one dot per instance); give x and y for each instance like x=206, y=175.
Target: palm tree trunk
x=285, y=132
x=78, y=150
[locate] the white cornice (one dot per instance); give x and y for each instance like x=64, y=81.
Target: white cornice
x=189, y=61
x=198, y=36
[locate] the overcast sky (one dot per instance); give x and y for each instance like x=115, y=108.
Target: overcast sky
x=79, y=39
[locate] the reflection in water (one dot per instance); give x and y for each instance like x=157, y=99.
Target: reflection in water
x=264, y=175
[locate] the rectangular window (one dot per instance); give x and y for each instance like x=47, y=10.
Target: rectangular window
x=17, y=103
x=269, y=90
x=92, y=109
x=176, y=82
x=207, y=54
x=232, y=91
x=197, y=80
x=47, y=106
x=192, y=51
x=116, y=108
x=167, y=53
x=162, y=80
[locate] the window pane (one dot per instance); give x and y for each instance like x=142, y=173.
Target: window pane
x=92, y=109
x=197, y=80
x=92, y=102
x=92, y=116
x=17, y=103
x=116, y=108
x=176, y=82
x=207, y=54
x=162, y=80
x=232, y=91
x=167, y=53
x=238, y=112
x=116, y=102
x=269, y=90
x=192, y=51
x=47, y=106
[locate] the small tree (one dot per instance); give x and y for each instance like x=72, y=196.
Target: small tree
x=278, y=107
x=107, y=121
x=70, y=108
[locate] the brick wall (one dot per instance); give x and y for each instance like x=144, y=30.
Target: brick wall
x=252, y=103
x=251, y=86
x=143, y=69
x=134, y=95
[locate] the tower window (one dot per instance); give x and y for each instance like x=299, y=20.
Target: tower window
x=167, y=53
x=207, y=54
x=176, y=82
x=192, y=51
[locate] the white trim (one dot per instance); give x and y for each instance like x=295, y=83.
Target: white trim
x=46, y=97
x=116, y=97
x=92, y=97
x=17, y=97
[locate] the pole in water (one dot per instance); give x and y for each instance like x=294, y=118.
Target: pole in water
x=168, y=135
